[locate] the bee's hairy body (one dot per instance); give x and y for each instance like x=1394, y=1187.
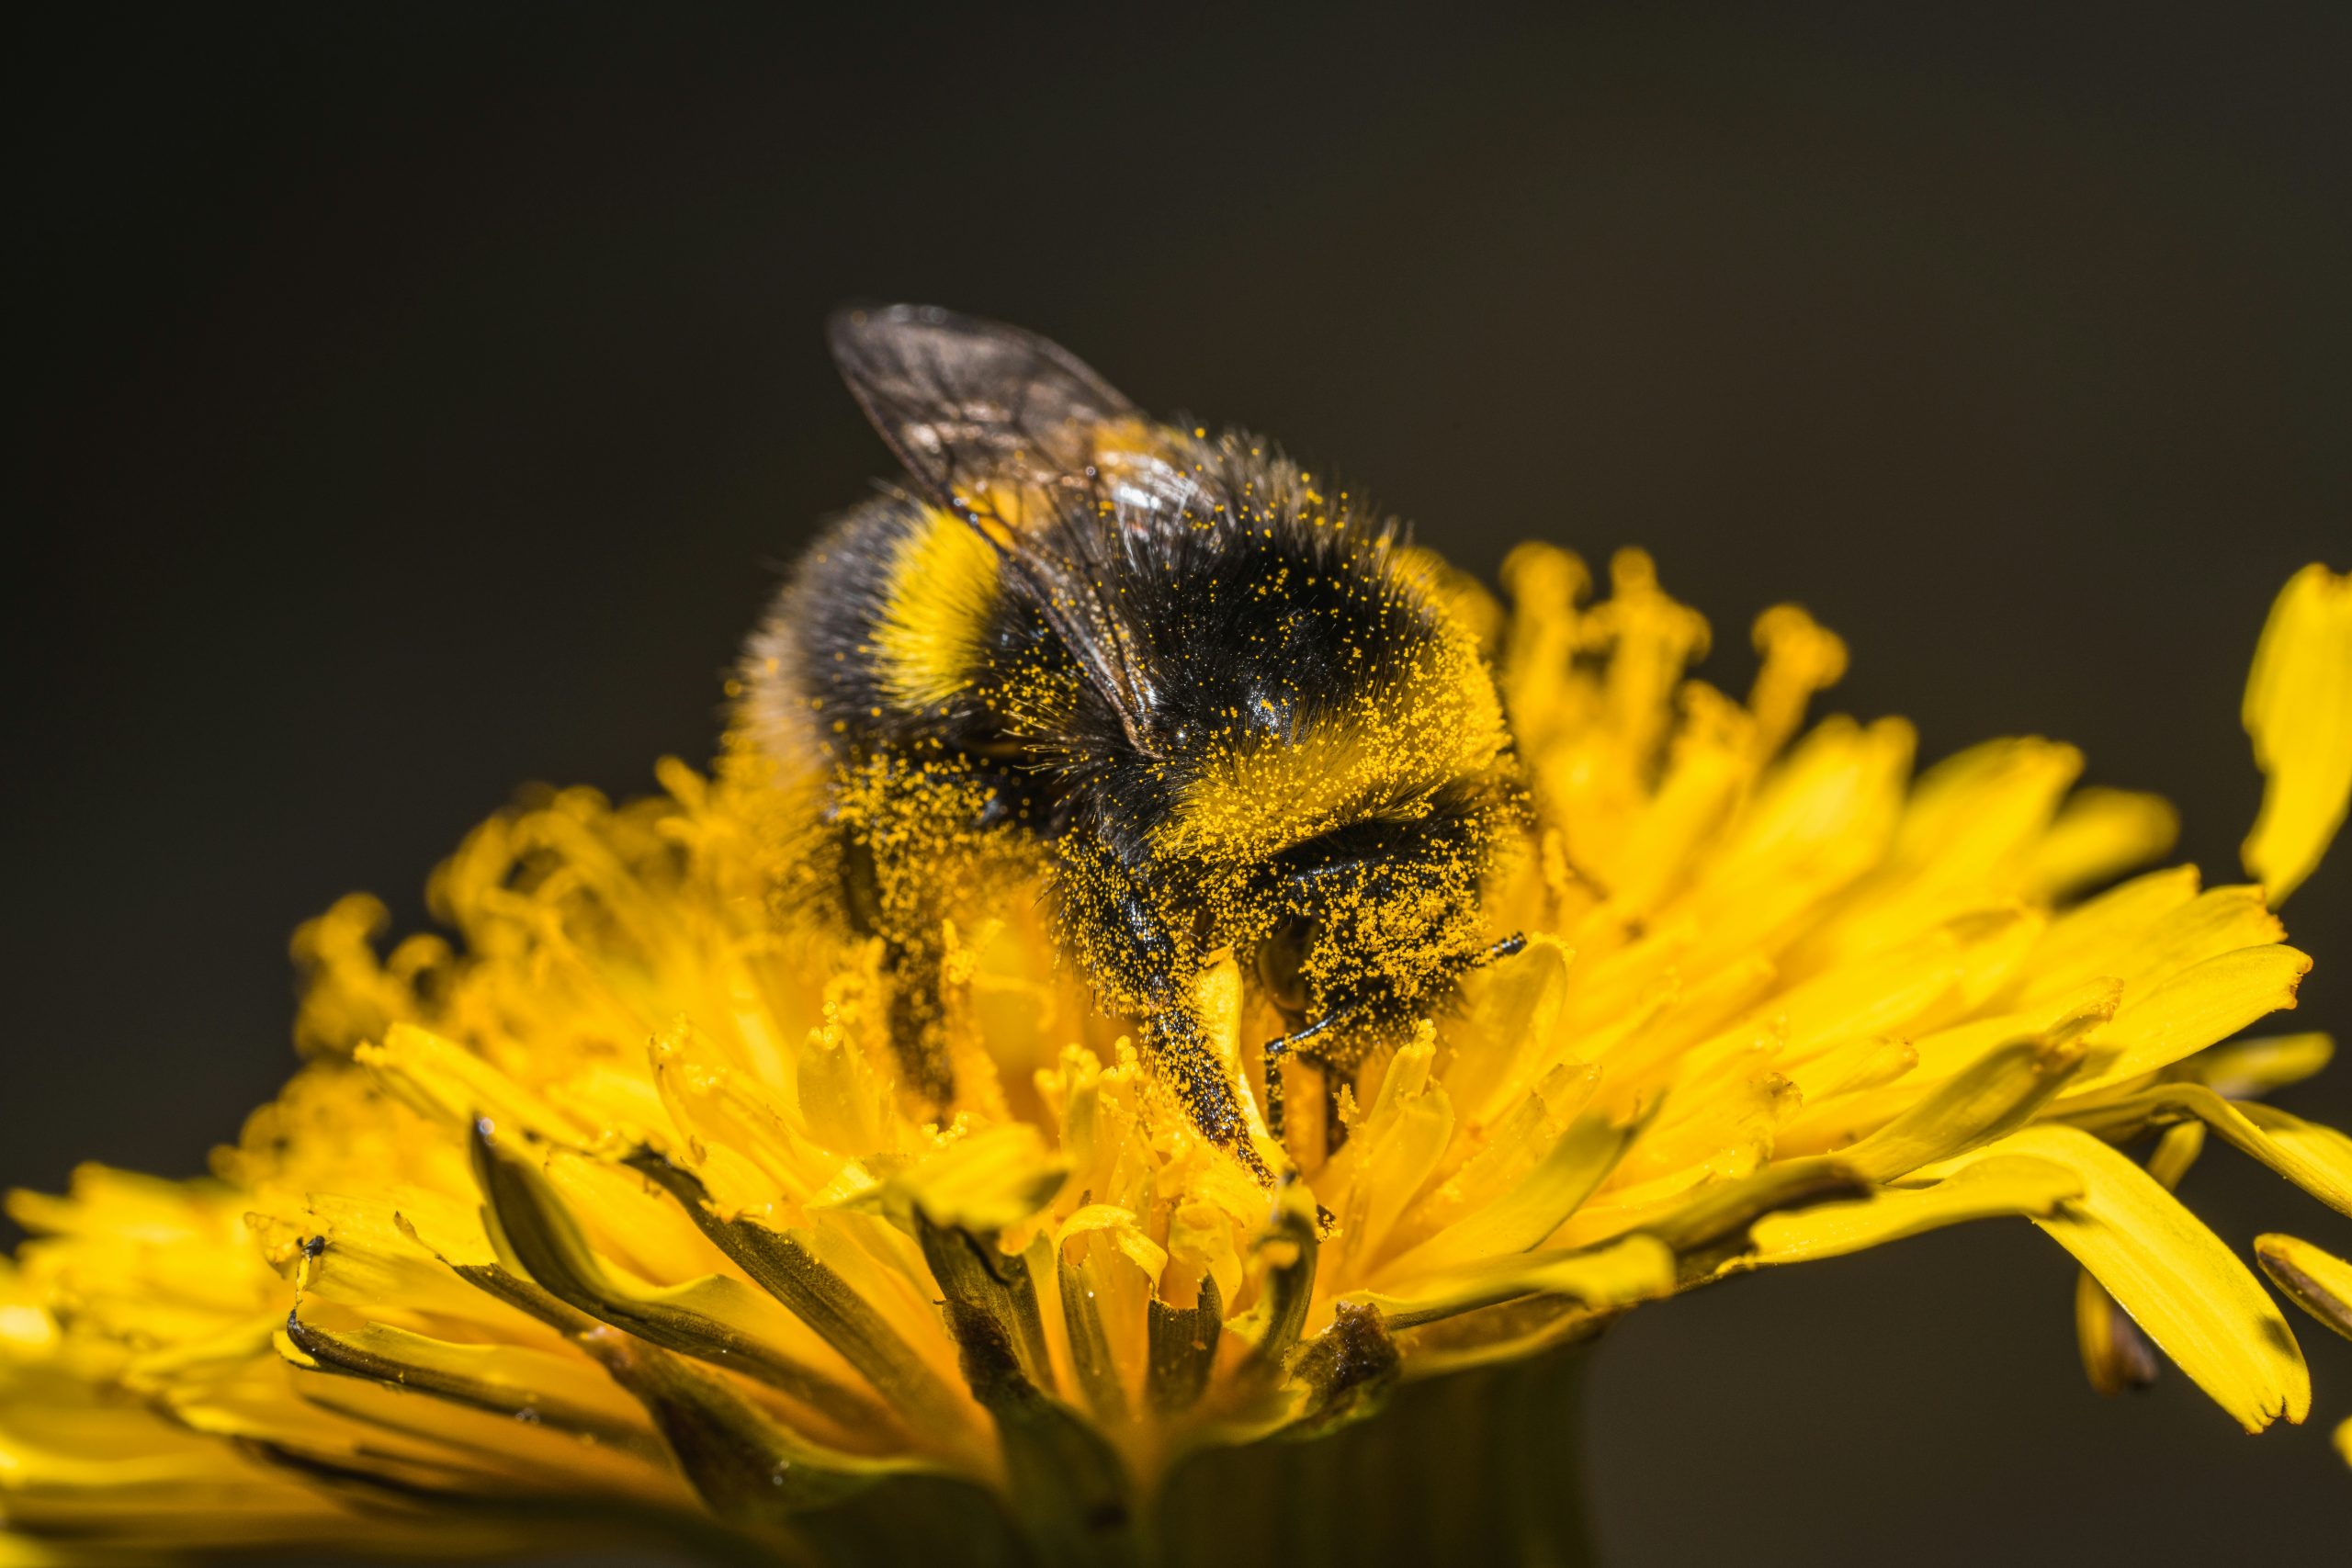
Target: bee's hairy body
x=1219, y=709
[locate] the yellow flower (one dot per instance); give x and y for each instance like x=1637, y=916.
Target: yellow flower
x=610, y=1212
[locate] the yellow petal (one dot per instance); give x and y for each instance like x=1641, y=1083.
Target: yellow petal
x=2319, y=1283
x=1082, y=1280
x=1523, y=1216
x=1199, y=1247
x=2206, y=1002
x=2103, y=935
x=985, y=1183
x=1392, y=1152
x=2218, y=920
x=1122, y=1230
x=1515, y=1005
x=2298, y=712
x=1638, y=1268
x=2180, y=1284
x=1969, y=813
x=2098, y=833
x=2243, y=1070
x=1992, y=1097
x=2317, y=1159
x=1721, y=1215
x=2117, y=1358
x=1992, y=1187
x=442, y=1081
x=2175, y=1152
x=355, y=1252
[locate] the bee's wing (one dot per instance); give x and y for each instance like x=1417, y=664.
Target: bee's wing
x=1001, y=427
x=969, y=405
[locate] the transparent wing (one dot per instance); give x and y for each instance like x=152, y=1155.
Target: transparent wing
x=1004, y=429
x=974, y=409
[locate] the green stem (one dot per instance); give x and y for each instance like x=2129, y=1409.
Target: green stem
x=1481, y=1466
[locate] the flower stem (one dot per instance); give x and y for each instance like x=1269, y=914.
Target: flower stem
x=1479, y=1466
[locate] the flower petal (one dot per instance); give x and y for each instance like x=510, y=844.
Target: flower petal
x=2179, y=1283
x=1992, y=1187
x=2243, y=1070
x=1722, y=1213
x=1093, y=1362
x=1991, y=1097
x=985, y=1183
x=714, y=1318
x=442, y=1081
x=1579, y=1159
x=2203, y=1003
x=2298, y=711
x=1638, y=1268
x=2117, y=1358
x=747, y=1467
x=2099, y=832
x=2317, y=1159
x=563, y=1392
x=2319, y=1283
x=780, y=1263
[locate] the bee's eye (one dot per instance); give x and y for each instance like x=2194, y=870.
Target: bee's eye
x=1282, y=963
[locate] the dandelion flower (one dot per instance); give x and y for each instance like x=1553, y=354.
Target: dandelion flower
x=609, y=1211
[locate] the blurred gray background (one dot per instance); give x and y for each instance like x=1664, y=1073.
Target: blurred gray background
x=417, y=401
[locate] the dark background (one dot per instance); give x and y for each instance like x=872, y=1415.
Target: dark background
x=412, y=404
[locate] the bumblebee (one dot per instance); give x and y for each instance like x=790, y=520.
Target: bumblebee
x=1215, y=707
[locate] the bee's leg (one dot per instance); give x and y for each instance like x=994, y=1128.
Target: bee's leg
x=1276, y=1049
x=1302, y=1042
x=910, y=964
x=1282, y=1045
x=919, y=1020
x=1509, y=947
x=1141, y=960
x=1182, y=1058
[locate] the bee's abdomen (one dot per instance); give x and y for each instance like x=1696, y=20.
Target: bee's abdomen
x=878, y=638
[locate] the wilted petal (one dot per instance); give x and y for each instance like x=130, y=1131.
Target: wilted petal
x=714, y=1319
x=2117, y=1358
x=749, y=1468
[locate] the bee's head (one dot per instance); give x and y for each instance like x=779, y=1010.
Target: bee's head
x=1373, y=919
x=1330, y=775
